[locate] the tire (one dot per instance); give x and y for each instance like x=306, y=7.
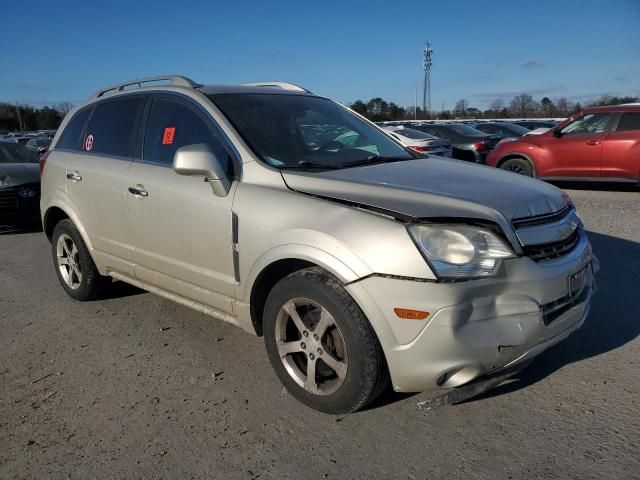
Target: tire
x=319, y=299
x=74, y=266
x=518, y=165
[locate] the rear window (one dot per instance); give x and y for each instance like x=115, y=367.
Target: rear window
x=70, y=138
x=14, y=153
x=413, y=134
x=629, y=121
x=113, y=126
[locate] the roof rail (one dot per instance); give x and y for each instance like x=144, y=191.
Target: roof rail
x=176, y=80
x=282, y=85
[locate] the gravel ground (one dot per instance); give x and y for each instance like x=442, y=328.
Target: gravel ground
x=134, y=386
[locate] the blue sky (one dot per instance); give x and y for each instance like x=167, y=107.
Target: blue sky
x=483, y=50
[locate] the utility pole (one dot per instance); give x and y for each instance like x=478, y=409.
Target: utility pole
x=426, y=63
x=19, y=117
x=415, y=104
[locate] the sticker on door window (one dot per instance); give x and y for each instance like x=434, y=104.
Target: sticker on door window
x=167, y=137
x=88, y=143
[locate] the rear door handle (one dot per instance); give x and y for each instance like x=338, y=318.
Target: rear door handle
x=138, y=191
x=75, y=176
x=594, y=142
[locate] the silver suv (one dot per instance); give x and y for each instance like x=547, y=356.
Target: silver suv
x=291, y=216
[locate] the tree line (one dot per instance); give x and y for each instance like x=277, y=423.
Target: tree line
x=18, y=118
x=521, y=106
x=21, y=118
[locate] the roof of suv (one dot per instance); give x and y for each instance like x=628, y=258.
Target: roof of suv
x=624, y=107
x=222, y=89
x=272, y=88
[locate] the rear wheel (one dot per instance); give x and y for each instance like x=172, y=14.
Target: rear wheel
x=74, y=266
x=320, y=344
x=518, y=165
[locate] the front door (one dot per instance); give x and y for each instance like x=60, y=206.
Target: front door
x=181, y=231
x=576, y=153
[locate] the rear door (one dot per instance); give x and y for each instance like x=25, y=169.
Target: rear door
x=621, y=150
x=96, y=177
x=180, y=229
x=577, y=152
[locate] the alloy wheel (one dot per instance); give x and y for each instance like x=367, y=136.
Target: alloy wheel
x=69, y=261
x=311, y=346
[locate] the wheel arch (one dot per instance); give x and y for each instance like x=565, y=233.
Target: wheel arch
x=277, y=264
x=57, y=212
x=511, y=155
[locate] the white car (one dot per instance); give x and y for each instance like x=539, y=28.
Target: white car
x=420, y=141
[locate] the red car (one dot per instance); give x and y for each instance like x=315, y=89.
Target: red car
x=601, y=143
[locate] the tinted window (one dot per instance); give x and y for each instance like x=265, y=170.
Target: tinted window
x=113, y=126
x=589, y=123
x=70, y=138
x=173, y=124
x=14, y=153
x=629, y=121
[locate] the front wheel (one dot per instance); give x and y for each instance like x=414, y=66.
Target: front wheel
x=320, y=344
x=518, y=165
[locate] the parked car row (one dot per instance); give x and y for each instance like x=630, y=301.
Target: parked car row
x=37, y=142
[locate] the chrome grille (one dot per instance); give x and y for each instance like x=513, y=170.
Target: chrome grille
x=550, y=251
x=550, y=236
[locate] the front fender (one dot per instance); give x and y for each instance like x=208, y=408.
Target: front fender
x=346, y=272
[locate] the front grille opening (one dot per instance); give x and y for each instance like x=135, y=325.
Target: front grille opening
x=554, y=310
x=552, y=251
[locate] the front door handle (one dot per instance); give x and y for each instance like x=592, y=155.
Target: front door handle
x=138, y=191
x=594, y=142
x=75, y=176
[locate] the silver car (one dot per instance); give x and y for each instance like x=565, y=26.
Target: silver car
x=293, y=217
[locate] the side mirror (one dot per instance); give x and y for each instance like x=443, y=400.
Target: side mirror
x=198, y=160
x=556, y=132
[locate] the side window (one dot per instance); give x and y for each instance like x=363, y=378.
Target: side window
x=589, y=123
x=113, y=126
x=629, y=121
x=70, y=138
x=173, y=124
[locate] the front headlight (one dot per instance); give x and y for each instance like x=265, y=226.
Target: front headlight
x=460, y=251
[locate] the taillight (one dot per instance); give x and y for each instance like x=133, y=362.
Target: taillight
x=419, y=148
x=480, y=146
x=43, y=160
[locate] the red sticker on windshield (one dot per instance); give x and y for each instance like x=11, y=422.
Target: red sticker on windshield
x=88, y=143
x=167, y=137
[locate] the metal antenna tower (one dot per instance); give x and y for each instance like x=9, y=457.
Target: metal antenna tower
x=426, y=63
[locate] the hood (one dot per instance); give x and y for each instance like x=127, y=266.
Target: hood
x=434, y=188
x=19, y=173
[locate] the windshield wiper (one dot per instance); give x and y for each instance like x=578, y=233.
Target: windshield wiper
x=372, y=160
x=309, y=166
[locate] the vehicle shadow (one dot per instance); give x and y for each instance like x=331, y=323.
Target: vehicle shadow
x=612, y=322
x=117, y=289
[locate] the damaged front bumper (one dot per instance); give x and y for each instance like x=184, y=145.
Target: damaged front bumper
x=477, y=327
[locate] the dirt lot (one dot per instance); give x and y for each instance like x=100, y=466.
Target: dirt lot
x=134, y=386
